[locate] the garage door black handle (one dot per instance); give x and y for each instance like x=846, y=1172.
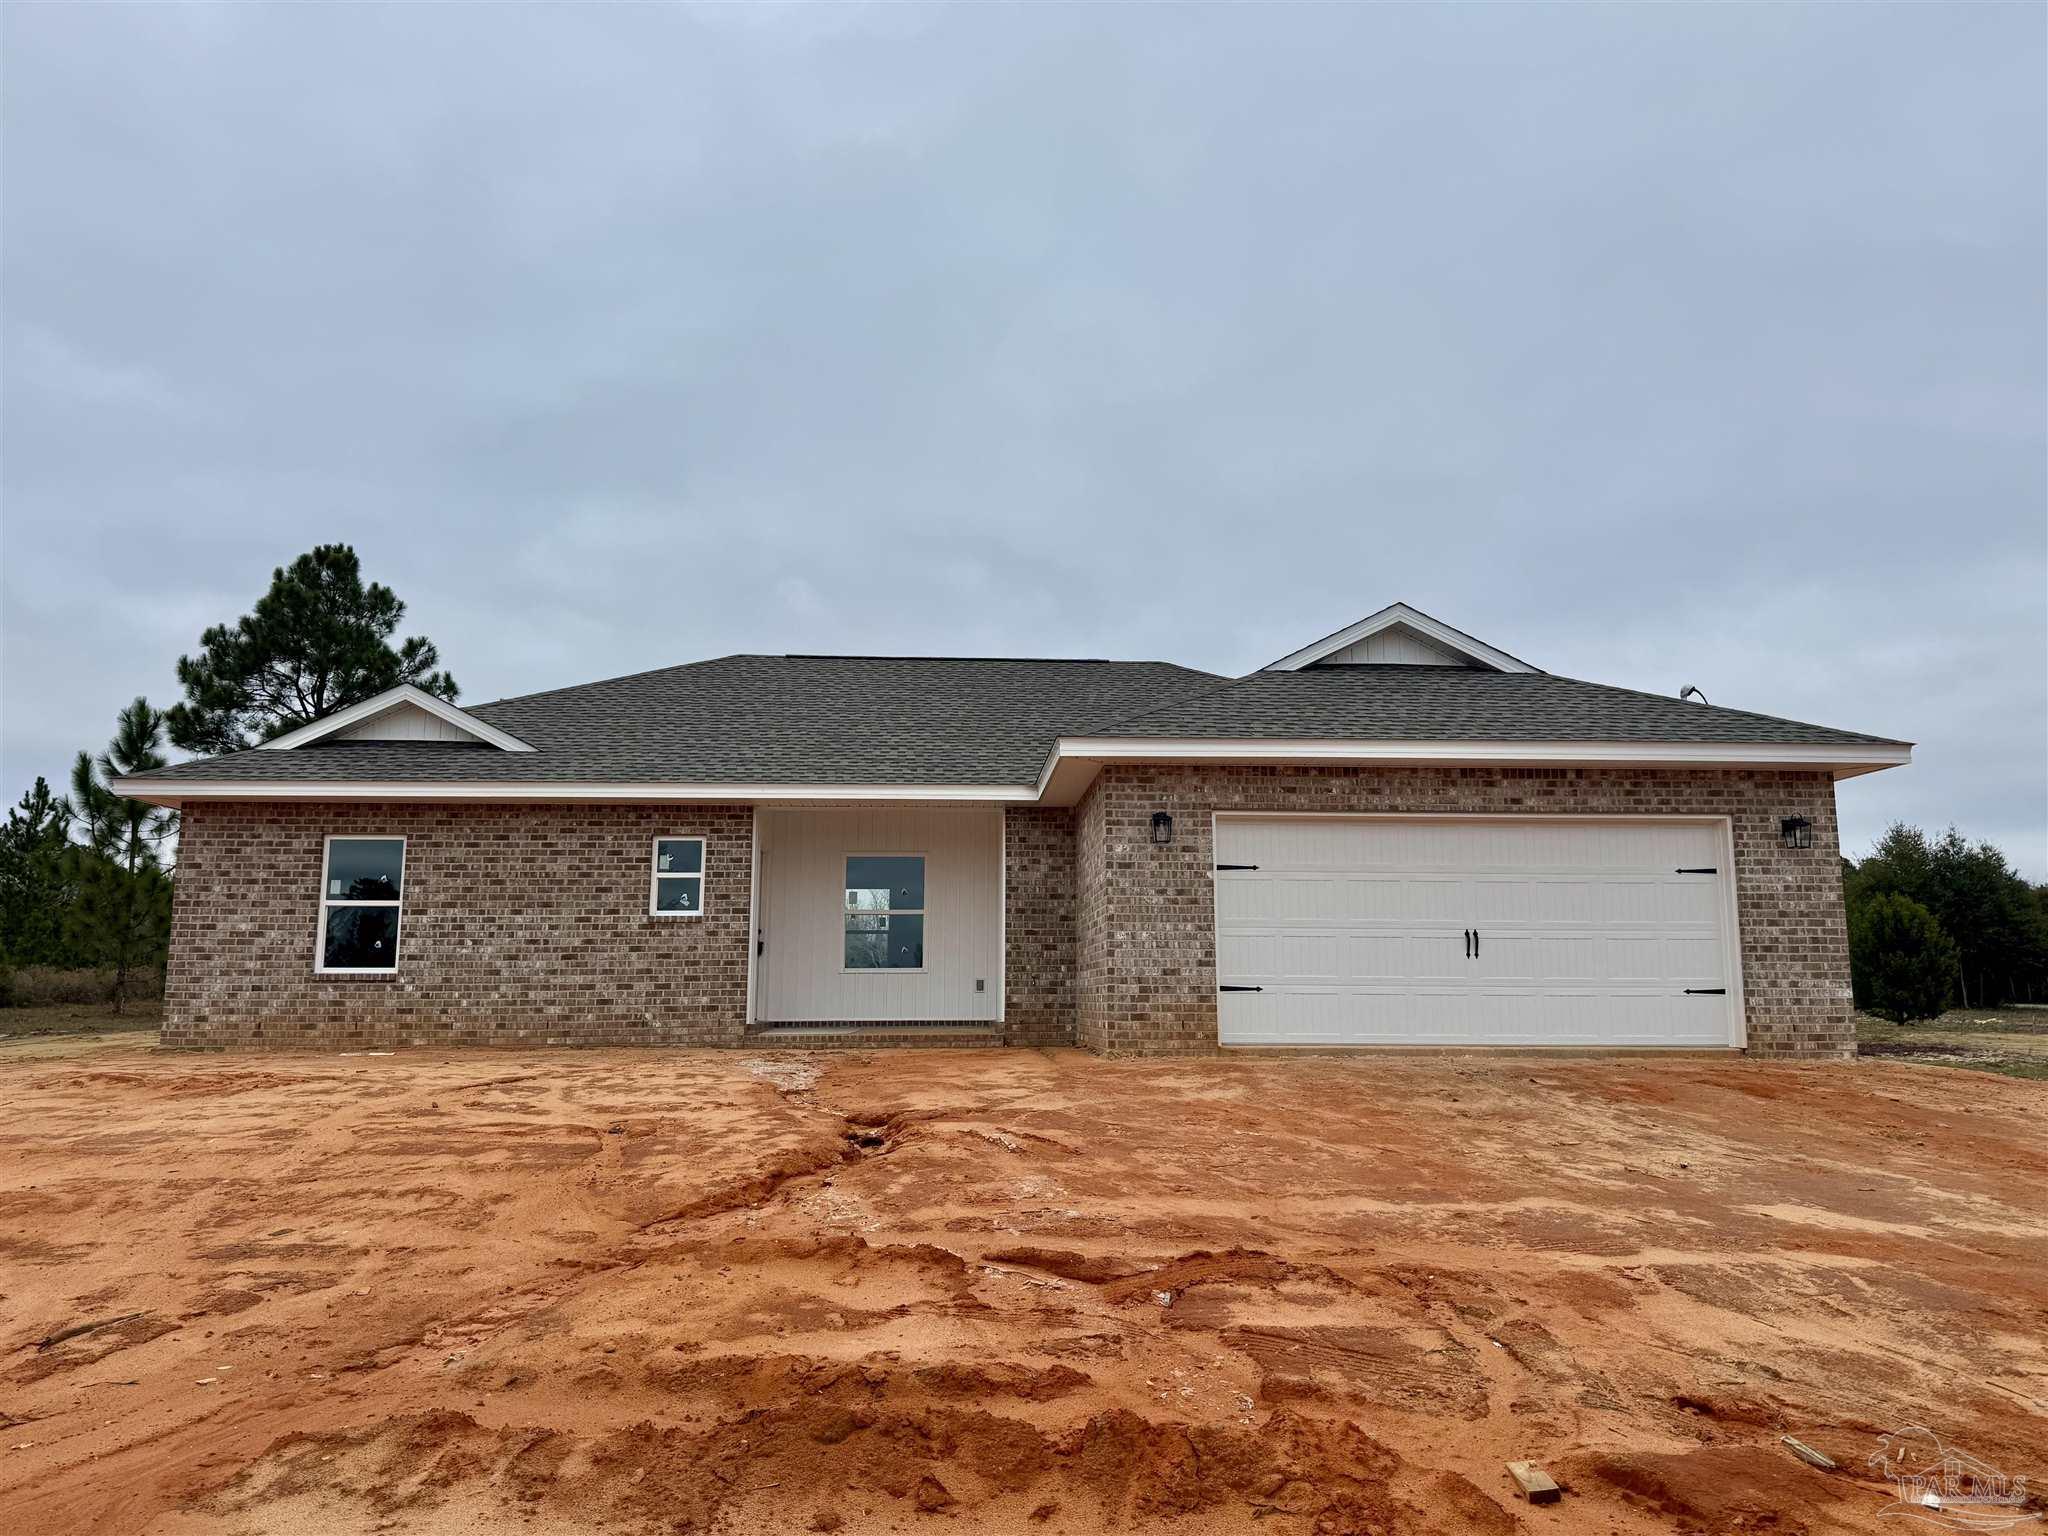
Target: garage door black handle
x=1709, y=870
x=1237, y=866
x=1240, y=989
x=1475, y=943
x=1706, y=991
x=1468, y=943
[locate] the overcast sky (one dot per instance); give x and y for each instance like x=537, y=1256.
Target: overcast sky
x=1655, y=345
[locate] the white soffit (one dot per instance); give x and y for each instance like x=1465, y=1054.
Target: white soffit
x=399, y=714
x=1437, y=636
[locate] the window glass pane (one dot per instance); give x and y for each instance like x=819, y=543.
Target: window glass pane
x=884, y=943
x=364, y=868
x=679, y=893
x=866, y=951
x=875, y=883
x=361, y=939
x=679, y=856
x=906, y=942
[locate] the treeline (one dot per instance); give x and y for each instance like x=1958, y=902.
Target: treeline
x=85, y=878
x=82, y=879
x=1941, y=922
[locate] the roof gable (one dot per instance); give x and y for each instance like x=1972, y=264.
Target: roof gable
x=1399, y=635
x=404, y=713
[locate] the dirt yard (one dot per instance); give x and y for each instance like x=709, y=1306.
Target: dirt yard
x=667, y=1291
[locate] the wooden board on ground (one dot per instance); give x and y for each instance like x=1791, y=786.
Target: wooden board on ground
x=1534, y=1482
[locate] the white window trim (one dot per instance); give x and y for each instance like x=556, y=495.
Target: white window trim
x=701, y=874
x=923, y=912
x=327, y=904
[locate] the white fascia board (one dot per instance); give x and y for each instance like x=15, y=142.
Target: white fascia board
x=1401, y=614
x=1844, y=759
x=543, y=792
x=391, y=698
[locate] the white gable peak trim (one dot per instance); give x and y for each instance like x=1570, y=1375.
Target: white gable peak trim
x=403, y=696
x=1400, y=615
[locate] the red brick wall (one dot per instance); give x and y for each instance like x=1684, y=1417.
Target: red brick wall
x=1146, y=946
x=520, y=925
x=1038, y=925
x=1095, y=968
x=529, y=925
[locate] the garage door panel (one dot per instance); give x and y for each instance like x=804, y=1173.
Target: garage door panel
x=1354, y=930
x=1464, y=847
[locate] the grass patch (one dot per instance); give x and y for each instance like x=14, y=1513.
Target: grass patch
x=2012, y=1042
x=80, y=1019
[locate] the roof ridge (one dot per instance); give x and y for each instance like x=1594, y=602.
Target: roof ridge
x=1061, y=661
x=685, y=666
x=623, y=677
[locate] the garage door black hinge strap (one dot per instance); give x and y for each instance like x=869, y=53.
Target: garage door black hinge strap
x=1706, y=991
x=1237, y=866
x=1710, y=870
x=1240, y=989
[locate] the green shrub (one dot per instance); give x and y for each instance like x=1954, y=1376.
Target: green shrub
x=1901, y=963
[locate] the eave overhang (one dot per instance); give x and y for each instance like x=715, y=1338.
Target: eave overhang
x=1070, y=768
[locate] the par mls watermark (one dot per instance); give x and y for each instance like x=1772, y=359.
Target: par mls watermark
x=1936, y=1484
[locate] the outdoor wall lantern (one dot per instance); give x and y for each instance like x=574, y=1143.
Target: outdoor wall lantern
x=1162, y=828
x=1796, y=832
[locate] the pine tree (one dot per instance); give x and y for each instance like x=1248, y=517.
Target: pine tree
x=33, y=890
x=120, y=912
x=317, y=641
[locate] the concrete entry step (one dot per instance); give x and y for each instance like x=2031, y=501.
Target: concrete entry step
x=818, y=1037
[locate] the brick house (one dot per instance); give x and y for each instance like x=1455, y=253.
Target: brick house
x=1396, y=836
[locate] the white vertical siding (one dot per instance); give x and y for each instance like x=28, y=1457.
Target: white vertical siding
x=1402, y=646
x=403, y=722
x=801, y=975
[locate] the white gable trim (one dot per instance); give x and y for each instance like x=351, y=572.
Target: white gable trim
x=1401, y=615
x=393, y=698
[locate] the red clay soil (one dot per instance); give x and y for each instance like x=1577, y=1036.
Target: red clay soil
x=1006, y=1291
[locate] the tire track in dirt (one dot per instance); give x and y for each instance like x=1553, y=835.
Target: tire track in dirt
x=1237, y=1296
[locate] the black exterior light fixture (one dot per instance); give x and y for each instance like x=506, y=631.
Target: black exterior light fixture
x=1162, y=828
x=1796, y=832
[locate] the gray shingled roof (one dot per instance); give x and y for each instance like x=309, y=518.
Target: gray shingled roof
x=918, y=720
x=1409, y=703
x=764, y=720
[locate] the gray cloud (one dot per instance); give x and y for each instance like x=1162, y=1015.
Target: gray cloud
x=1655, y=345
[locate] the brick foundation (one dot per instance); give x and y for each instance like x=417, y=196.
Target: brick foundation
x=1146, y=952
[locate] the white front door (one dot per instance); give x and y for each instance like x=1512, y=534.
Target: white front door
x=1352, y=930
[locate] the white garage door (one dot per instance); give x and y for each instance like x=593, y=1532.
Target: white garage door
x=1467, y=931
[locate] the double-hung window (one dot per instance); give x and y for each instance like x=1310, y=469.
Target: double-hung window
x=885, y=912
x=678, y=878
x=359, y=896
